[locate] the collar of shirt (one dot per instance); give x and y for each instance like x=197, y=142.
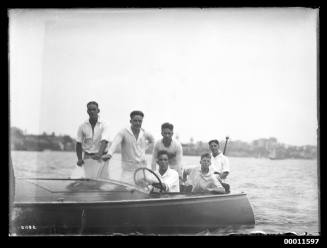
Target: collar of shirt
x=219, y=155
x=198, y=174
x=173, y=141
x=87, y=121
x=206, y=176
x=129, y=129
x=165, y=174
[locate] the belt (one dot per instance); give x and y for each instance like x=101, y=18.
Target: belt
x=90, y=154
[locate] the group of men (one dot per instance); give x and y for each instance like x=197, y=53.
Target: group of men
x=94, y=154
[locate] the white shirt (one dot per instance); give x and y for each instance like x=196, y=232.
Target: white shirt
x=202, y=182
x=220, y=163
x=132, y=150
x=175, y=154
x=170, y=178
x=91, y=138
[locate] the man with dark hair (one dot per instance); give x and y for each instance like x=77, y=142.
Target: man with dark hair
x=136, y=112
x=92, y=139
x=172, y=146
x=134, y=141
x=202, y=179
x=92, y=102
x=168, y=177
x=220, y=163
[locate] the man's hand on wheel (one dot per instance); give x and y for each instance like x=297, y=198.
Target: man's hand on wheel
x=158, y=186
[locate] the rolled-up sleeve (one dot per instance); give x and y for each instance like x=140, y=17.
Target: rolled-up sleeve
x=117, y=140
x=225, y=164
x=149, y=138
x=105, y=132
x=79, y=137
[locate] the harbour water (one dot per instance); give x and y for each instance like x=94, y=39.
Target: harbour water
x=284, y=194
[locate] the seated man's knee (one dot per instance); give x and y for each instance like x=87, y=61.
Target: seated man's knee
x=186, y=188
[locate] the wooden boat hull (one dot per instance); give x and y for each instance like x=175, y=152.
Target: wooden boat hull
x=134, y=211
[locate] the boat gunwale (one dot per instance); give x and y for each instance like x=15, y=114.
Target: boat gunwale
x=136, y=201
x=188, y=196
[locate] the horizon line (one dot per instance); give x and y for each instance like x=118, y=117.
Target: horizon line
x=195, y=141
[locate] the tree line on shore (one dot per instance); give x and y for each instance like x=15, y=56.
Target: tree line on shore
x=260, y=148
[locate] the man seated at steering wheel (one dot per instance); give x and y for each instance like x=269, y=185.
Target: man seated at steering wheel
x=169, y=177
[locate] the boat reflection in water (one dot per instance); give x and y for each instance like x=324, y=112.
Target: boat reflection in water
x=96, y=206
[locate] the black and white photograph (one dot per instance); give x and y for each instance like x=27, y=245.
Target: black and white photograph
x=164, y=121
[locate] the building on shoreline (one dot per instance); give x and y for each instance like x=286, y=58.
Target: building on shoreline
x=259, y=148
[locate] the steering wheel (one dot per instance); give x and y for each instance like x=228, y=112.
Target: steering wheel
x=145, y=180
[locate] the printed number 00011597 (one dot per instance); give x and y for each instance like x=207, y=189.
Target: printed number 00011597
x=301, y=241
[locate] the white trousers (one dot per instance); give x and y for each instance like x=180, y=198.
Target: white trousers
x=96, y=168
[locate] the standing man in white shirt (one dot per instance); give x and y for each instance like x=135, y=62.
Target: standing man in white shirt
x=134, y=141
x=172, y=146
x=92, y=140
x=168, y=176
x=220, y=163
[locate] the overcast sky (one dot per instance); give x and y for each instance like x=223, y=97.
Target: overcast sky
x=246, y=73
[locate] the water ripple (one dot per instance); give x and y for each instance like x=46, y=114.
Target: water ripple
x=283, y=194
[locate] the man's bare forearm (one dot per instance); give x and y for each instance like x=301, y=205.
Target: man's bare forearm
x=220, y=190
x=224, y=174
x=99, y=154
x=103, y=146
x=79, y=151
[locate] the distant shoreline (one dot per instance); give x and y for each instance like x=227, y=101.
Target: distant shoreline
x=268, y=148
x=189, y=155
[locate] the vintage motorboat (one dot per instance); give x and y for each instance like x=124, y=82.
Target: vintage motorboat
x=46, y=206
